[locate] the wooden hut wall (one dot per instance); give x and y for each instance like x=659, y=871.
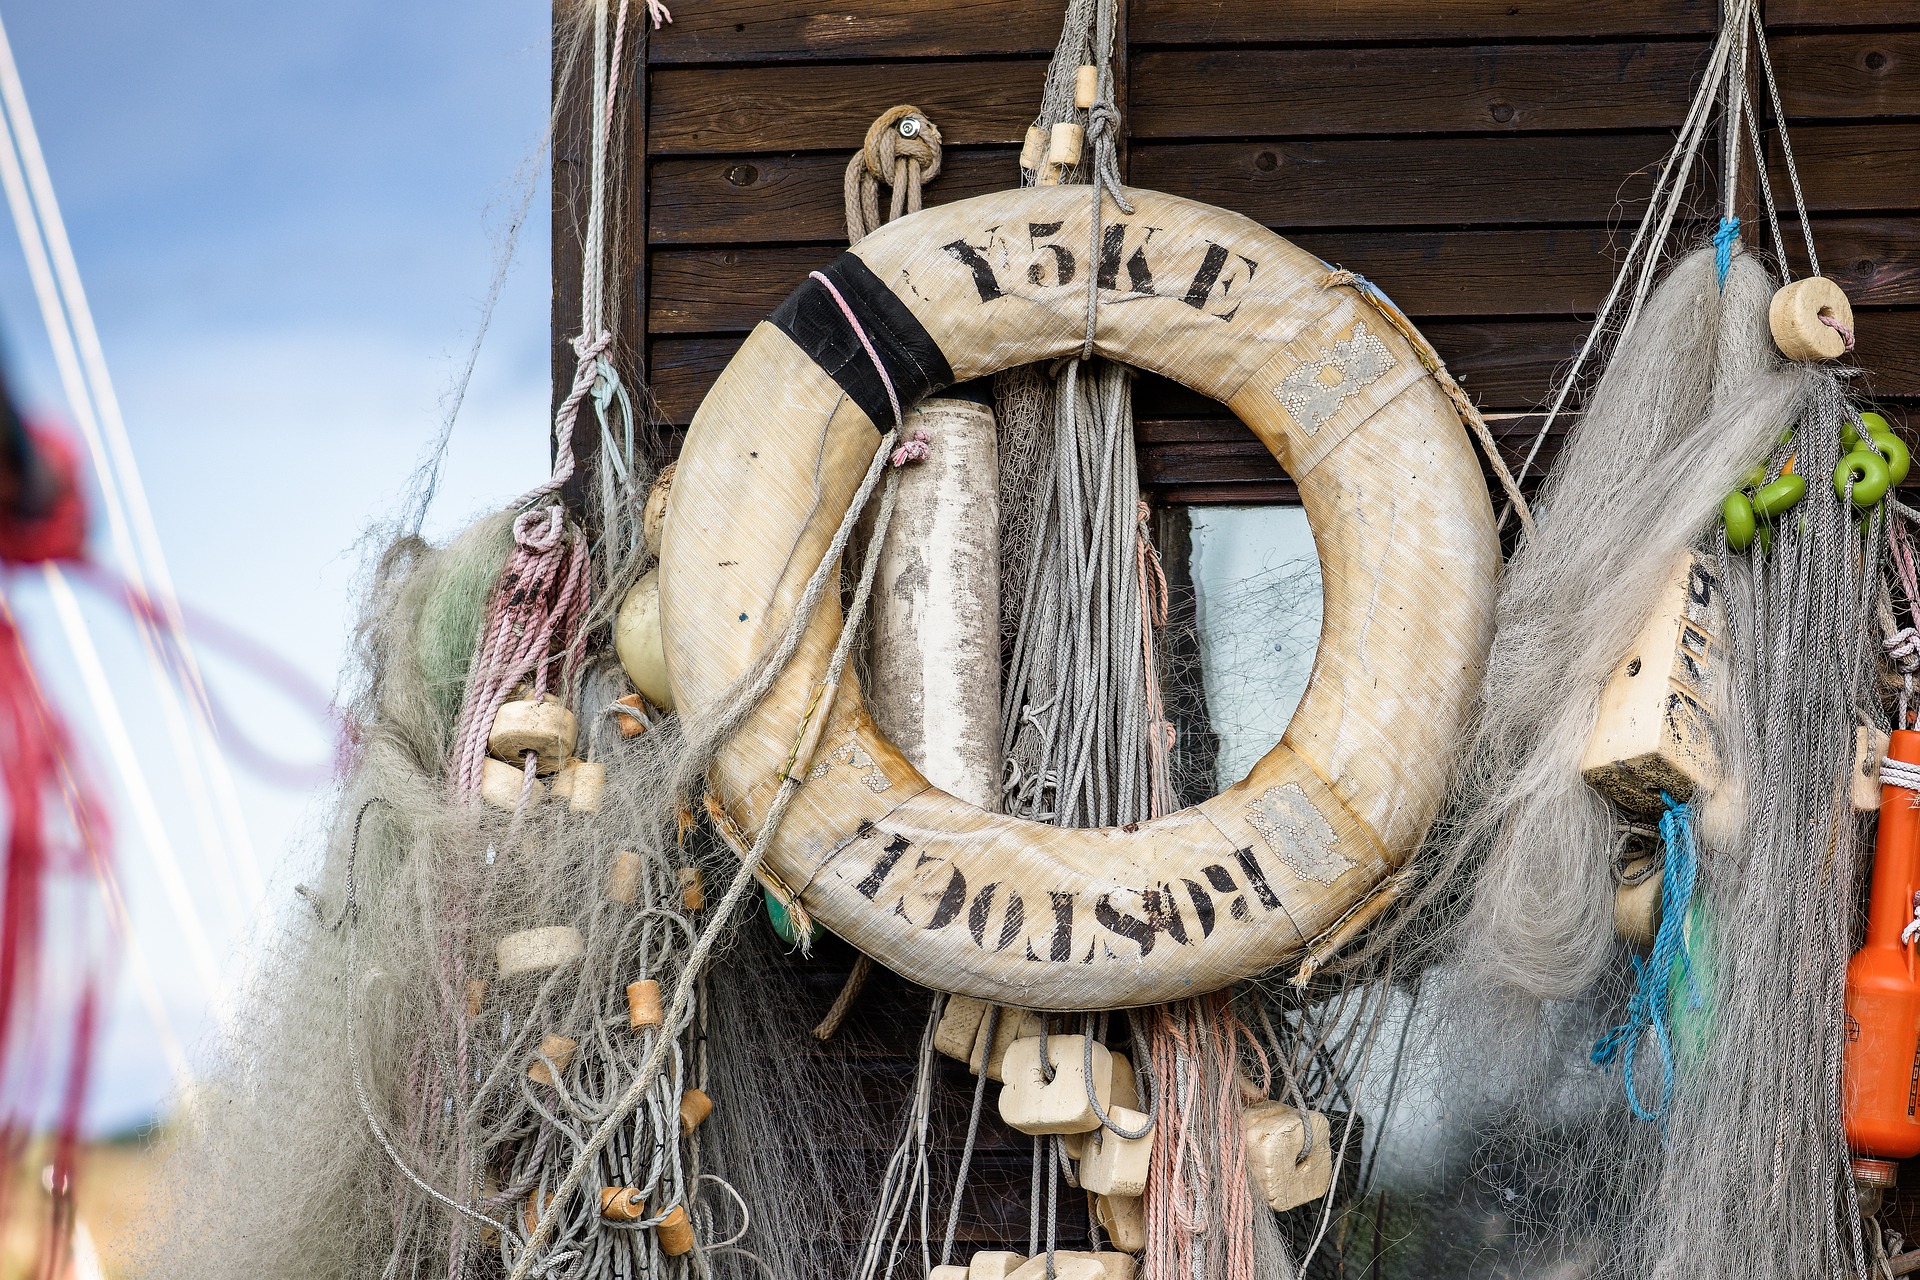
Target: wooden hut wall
x=1482, y=160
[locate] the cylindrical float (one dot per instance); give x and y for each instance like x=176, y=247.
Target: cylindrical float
x=936, y=604
x=1882, y=1105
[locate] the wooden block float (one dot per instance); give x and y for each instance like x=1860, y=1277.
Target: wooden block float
x=1126, y=1093
x=1073, y=1264
x=693, y=891
x=501, y=785
x=621, y=1204
x=1012, y=1024
x=558, y=1050
x=582, y=784
x=959, y=1026
x=1275, y=1133
x=1032, y=1103
x=1063, y=144
x=644, y=1005
x=635, y=724
x=1795, y=314
x=675, y=1232
x=948, y=1272
x=537, y=950
x=994, y=1264
x=1116, y=1165
x=623, y=878
x=1869, y=749
x=1033, y=151
x=1655, y=733
x=695, y=1107
x=1124, y=1219
x=543, y=726
x=1086, y=86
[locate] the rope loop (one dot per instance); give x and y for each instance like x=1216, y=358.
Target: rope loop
x=902, y=150
x=1903, y=650
x=887, y=146
x=529, y=533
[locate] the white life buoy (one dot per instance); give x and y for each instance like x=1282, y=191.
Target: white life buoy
x=1016, y=911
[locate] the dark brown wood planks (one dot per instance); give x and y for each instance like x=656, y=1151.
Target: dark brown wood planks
x=1480, y=161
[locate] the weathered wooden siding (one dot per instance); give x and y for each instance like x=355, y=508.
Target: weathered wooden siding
x=1478, y=160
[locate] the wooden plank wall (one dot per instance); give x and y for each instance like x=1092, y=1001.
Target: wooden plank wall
x=1479, y=160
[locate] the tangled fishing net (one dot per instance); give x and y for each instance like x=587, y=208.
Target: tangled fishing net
x=1489, y=1078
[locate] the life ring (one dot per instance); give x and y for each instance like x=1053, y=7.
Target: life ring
x=1015, y=911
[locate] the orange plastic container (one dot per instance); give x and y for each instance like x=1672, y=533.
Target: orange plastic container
x=1882, y=1071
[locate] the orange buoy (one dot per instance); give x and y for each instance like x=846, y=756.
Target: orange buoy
x=1882, y=1066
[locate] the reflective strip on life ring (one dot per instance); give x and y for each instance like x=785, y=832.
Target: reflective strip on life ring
x=1016, y=911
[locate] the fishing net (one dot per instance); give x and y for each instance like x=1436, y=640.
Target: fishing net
x=1490, y=1078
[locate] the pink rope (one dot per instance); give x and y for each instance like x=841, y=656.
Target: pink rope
x=1903, y=563
x=1846, y=333
x=542, y=597
x=893, y=397
x=916, y=449
x=1195, y=1052
x=1152, y=581
x=1236, y=1199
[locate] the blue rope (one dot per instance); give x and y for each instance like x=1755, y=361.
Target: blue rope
x=1723, y=247
x=1647, y=1007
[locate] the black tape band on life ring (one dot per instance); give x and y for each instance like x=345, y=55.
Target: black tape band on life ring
x=817, y=326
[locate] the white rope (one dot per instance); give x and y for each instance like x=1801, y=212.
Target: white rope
x=1898, y=773
x=1667, y=197
x=139, y=795
x=724, y=721
x=81, y=364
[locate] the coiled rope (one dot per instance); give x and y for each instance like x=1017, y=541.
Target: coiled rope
x=901, y=151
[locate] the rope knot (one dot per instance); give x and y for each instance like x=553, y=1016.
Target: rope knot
x=887, y=146
x=527, y=531
x=917, y=447
x=1903, y=649
x=1723, y=241
x=902, y=151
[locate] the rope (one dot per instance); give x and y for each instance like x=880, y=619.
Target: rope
x=1723, y=242
x=1663, y=204
x=1898, y=773
x=88, y=387
x=843, y=1003
x=540, y=599
x=973, y=1132
x=1845, y=331
x=1647, y=1007
x=902, y=150
x=732, y=710
x=866, y=343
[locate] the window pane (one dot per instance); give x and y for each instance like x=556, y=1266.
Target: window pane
x=1256, y=577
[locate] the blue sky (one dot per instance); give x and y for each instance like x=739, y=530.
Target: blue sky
x=287, y=217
